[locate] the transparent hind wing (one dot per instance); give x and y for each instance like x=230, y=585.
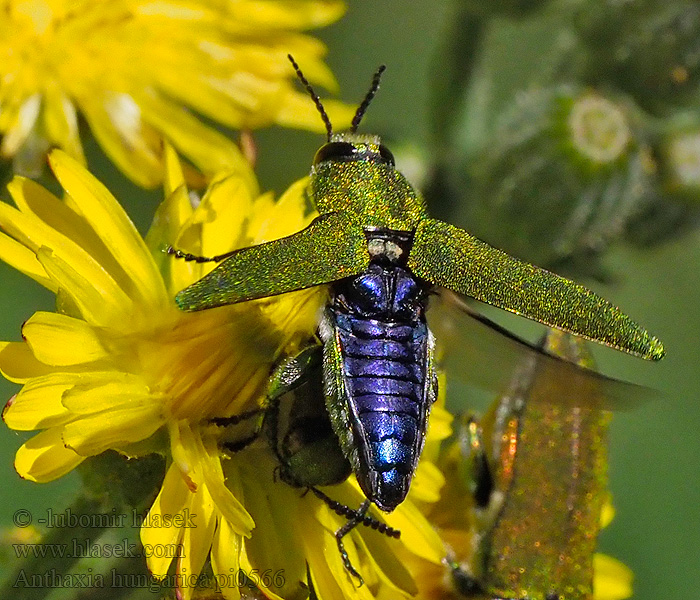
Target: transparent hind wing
x=483, y=354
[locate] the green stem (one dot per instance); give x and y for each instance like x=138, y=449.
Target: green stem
x=58, y=549
x=453, y=69
x=452, y=74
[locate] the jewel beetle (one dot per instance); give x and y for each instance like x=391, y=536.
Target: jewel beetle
x=535, y=469
x=380, y=253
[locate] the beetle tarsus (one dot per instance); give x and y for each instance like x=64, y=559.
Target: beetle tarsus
x=236, y=419
x=187, y=257
x=349, y=513
x=242, y=444
x=343, y=531
x=238, y=445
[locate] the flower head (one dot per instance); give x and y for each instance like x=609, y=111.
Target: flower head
x=140, y=72
x=118, y=366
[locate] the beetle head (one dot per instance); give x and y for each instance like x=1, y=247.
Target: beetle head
x=347, y=147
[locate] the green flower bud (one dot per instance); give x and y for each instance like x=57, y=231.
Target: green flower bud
x=681, y=165
x=564, y=173
x=648, y=48
x=676, y=207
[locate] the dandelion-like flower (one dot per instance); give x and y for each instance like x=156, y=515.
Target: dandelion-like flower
x=118, y=366
x=140, y=71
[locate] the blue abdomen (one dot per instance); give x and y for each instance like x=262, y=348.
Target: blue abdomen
x=384, y=350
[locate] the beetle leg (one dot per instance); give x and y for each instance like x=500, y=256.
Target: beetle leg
x=238, y=445
x=343, y=531
x=349, y=513
x=290, y=374
x=236, y=419
x=295, y=371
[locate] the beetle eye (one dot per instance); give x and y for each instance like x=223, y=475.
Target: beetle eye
x=387, y=156
x=342, y=151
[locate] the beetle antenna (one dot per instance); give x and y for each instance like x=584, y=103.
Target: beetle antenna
x=314, y=96
x=368, y=98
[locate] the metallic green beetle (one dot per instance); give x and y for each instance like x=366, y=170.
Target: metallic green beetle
x=537, y=469
x=381, y=253
x=375, y=245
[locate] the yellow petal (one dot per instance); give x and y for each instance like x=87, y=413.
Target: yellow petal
x=607, y=514
x=284, y=217
x=296, y=111
x=101, y=431
x=61, y=122
x=324, y=581
x=325, y=563
x=612, y=580
x=225, y=207
x=59, y=340
x=67, y=218
x=18, y=363
x=427, y=483
x=197, y=539
x=113, y=226
x=44, y=457
x=231, y=508
x=296, y=15
x=225, y=559
x=417, y=534
x=382, y=556
x=274, y=543
x=209, y=150
x=97, y=392
x=174, y=178
x=133, y=145
x=189, y=449
x=440, y=426
x=97, y=297
x=159, y=532
x=164, y=230
x=37, y=234
x=38, y=404
x=21, y=128
x=23, y=259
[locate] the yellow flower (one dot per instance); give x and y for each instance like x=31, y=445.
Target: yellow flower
x=118, y=366
x=141, y=72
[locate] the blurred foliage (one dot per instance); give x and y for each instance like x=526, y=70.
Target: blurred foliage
x=598, y=146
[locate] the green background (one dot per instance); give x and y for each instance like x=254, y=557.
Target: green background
x=654, y=448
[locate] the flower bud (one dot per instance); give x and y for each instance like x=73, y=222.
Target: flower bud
x=564, y=172
x=675, y=208
x=680, y=165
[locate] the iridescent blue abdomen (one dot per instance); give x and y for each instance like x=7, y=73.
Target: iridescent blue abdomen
x=381, y=379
